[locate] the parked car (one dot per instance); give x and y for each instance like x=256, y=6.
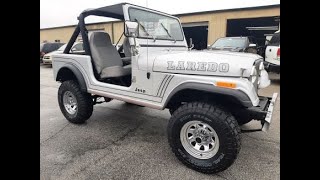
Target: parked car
x=76, y=48
x=48, y=47
x=235, y=44
x=272, y=54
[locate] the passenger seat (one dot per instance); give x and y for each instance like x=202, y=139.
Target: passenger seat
x=127, y=50
x=106, y=58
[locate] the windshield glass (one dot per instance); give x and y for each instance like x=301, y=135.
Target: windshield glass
x=62, y=47
x=230, y=42
x=153, y=25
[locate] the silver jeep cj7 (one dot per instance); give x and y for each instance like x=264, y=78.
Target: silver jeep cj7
x=208, y=93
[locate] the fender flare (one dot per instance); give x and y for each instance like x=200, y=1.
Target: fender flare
x=210, y=88
x=77, y=74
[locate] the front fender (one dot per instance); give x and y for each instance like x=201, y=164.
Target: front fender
x=237, y=94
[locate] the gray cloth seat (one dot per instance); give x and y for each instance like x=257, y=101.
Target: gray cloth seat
x=116, y=71
x=106, y=58
x=127, y=51
x=126, y=47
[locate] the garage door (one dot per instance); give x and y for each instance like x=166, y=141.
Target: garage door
x=198, y=32
x=255, y=27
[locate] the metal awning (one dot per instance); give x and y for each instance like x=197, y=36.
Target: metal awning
x=264, y=28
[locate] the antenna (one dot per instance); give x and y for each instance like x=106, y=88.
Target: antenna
x=148, y=73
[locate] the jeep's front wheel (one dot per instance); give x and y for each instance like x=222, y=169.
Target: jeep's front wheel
x=242, y=120
x=75, y=105
x=204, y=137
x=171, y=111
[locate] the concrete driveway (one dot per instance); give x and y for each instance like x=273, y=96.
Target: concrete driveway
x=122, y=141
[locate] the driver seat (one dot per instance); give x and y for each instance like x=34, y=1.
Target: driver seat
x=106, y=58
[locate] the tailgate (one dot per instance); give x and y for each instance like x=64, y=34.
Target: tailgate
x=271, y=55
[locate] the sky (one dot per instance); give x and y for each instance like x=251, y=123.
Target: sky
x=54, y=13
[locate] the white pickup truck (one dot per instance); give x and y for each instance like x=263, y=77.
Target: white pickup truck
x=272, y=55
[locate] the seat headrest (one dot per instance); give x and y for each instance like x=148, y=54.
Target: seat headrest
x=100, y=39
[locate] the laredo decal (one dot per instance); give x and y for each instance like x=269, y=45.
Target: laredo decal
x=200, y=66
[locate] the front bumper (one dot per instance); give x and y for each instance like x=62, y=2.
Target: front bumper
x=264, y=111
x=271, y=67
x=46, y=61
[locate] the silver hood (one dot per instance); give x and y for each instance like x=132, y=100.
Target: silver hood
x=217, y=63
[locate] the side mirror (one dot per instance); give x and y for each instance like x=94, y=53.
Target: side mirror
x=131, y=29
x=252, y=45
x=73, y=49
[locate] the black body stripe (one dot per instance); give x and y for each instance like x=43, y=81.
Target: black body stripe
x=162, y=84
x=166, y=86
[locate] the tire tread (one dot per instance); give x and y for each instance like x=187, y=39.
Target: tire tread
x=84, y=100
x=232, y=132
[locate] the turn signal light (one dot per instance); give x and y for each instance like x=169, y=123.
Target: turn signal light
x=226, y=84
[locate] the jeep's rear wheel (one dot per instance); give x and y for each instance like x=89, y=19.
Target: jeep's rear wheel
x=204, y=137
x=75, y=105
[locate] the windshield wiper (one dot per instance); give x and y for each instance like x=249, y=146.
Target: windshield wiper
x=168, y=32
x=143, y=28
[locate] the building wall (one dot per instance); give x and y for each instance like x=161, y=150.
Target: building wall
x=118, y=30
x=63, y=34
x=217, y=24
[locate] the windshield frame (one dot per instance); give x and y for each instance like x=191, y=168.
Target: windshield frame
x=159, y=13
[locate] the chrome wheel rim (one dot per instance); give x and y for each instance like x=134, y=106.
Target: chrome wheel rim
x=70, y=102
x=199, y=139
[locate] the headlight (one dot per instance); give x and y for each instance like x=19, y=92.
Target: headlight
x=264, y=80
x=253, y=75
x=258, y=75
x=261, y=67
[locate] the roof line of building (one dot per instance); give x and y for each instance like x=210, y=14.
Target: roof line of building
x=227, y=10
x=95, y=23
x=182, y=14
